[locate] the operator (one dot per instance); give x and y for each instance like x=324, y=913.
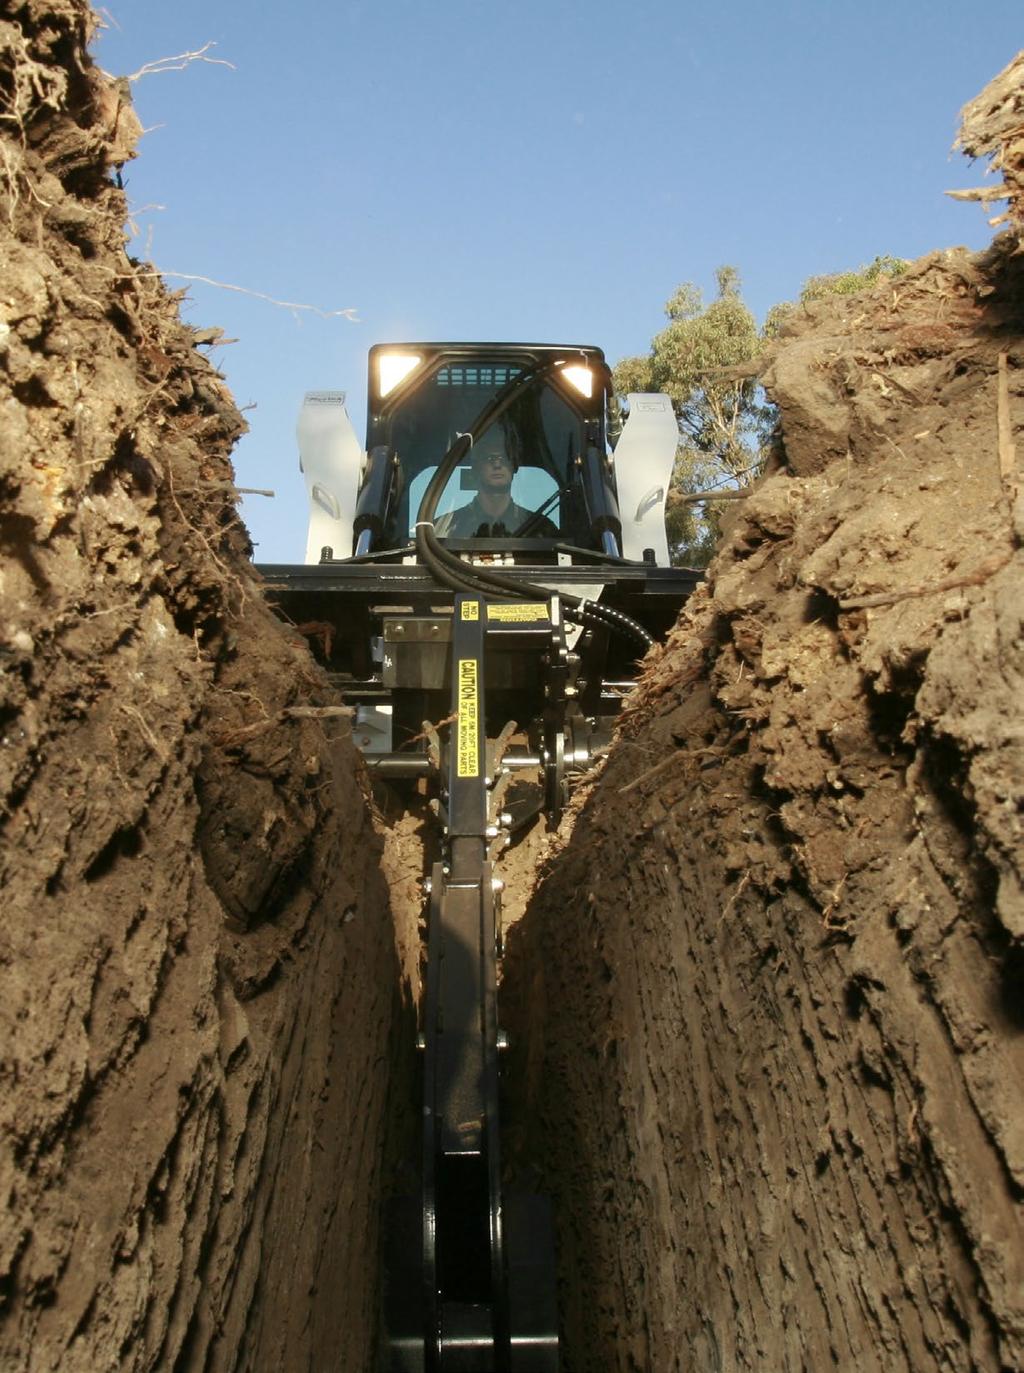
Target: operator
x=492, y=513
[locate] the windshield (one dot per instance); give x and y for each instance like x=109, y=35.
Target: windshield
x=519, y=476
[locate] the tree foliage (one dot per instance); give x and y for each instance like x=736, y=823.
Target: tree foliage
x=705, y=359
x=697, y=360
x=834, y=284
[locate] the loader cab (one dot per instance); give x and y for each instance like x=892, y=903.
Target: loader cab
x=423, y=396
x=371, y=595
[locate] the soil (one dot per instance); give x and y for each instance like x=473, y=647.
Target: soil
x=768, y=994
x=198, y=976
x=765, y=1001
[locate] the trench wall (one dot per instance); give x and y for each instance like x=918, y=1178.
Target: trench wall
x=768, y=993
x=197, y=969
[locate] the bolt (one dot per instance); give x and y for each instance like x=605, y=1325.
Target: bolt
x=505, y=820
x=421, y=1042
x=497, y=884
x=428, y=886
x=503, y=1041
x=491, y=832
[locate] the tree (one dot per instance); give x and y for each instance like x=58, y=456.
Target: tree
x=706, y=361
x=723, y=421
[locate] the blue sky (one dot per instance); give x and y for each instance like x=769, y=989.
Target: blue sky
x=464, y=169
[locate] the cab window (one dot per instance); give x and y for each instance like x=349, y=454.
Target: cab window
x=541, y=430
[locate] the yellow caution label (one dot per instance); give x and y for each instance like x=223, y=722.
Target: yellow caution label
x=471, y=610
x=519, y=613
x=468, y=759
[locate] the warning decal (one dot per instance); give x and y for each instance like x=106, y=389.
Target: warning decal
x=522, y=612
x=468, y=759
x=471, y=610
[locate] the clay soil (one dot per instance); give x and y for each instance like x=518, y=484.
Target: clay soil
x=766, y=998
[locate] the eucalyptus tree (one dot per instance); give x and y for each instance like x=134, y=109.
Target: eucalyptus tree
x=702, y=360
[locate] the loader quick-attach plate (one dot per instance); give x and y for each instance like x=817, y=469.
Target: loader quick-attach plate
x=350, y=596
x=641, y=589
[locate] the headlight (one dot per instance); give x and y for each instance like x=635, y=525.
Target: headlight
x=393, y=368
x=581, y=377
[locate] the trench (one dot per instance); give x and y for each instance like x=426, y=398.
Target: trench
x=763, y=987
x=529, y=1165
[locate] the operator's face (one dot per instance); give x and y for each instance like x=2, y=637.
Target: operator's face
x=493, y=468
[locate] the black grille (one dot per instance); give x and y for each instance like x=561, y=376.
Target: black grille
x=486, y=376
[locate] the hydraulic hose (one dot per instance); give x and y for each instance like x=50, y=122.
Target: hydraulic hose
x=440, y=560
x=494, y=409
x=591, y=611
x=451, y=571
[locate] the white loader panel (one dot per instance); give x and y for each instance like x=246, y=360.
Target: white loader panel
x=330, y=457
x=644, y=456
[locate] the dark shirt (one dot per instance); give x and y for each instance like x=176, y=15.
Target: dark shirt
x=473, y=522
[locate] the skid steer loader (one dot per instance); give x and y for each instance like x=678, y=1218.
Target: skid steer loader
x=484, y=625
